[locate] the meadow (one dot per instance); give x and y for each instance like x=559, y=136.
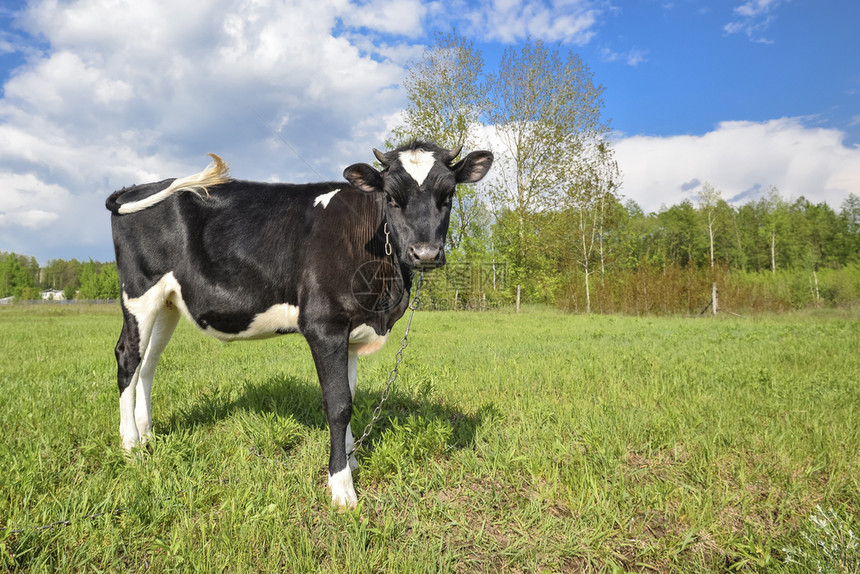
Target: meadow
x=538, y=442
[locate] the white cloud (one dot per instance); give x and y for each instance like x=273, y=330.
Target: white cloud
x=31, y=218
x=753, y=18
x=6, y=46
x=403, y=17
x=64, y=79
x=632, y=57
x=755, y=8
x=739, y=158
x=28, y=202
x=568, y=21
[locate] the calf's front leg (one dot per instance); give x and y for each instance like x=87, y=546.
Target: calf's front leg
x=352, y=370
x=330, y=349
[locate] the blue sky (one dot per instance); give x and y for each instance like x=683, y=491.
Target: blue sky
x=799, y=58
x=100, y=94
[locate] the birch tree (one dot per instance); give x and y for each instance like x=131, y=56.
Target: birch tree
x=545, y=107
x=590, y=193
x=776, y=214
x=709, y=200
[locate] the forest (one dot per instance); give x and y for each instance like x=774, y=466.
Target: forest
x=766, y=255
x=21, y=277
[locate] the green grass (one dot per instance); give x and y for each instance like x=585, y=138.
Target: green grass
x=521, y=443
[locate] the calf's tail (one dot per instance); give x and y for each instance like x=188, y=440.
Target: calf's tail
x=216, y=173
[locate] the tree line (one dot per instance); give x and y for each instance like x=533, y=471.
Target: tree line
x=767, y=254
x=22, y=277
x=554, y=218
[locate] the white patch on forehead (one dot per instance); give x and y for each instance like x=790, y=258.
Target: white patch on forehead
x=417, y=163
x=325, y=198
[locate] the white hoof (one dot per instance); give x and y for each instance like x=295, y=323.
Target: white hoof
x=129, y=440
x=342, y=490
x=144, y=431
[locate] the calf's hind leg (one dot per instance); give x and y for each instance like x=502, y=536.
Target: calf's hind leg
x=136, y=360
x=162, y=330
x=127, y=353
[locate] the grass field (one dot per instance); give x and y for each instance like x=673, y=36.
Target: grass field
x=537, y=442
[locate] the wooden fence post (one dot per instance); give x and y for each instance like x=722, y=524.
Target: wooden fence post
x=714, y=296
x=518, y=298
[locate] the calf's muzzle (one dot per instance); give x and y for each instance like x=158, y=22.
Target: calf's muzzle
x=426, y=255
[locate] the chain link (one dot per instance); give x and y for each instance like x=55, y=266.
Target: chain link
x=392, y=376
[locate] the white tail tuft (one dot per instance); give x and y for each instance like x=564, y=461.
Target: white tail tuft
x=215, y=173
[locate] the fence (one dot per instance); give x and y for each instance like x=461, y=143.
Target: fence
x=466, y=286
x=16, y=301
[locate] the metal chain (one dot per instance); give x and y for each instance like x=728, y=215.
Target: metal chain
x=392, y=376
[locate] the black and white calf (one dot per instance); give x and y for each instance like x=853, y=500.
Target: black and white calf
x=248, y=260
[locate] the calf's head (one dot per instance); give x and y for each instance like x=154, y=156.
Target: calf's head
x=419, y=182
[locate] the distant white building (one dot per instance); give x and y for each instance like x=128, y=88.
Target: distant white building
x=53, y=295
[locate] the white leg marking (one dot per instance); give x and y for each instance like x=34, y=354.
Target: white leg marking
x=142, y=410
x=145, y=310
x=127, y=428
x=352, y=370
x=165, y=323
x=342, y=490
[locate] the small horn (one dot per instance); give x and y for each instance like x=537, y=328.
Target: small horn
x=455, y=152
x=380, y=156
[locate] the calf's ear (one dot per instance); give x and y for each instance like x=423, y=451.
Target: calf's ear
x=473, y=167
x=363, y=177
